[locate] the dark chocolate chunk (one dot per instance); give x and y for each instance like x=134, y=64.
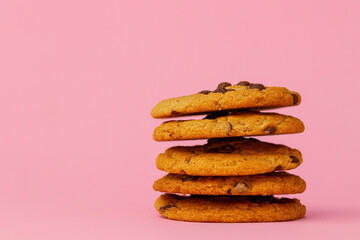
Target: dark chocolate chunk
x=278, y=167
x=270, y=130
x=294, y=159
x=166, y=207
x=206, y=92
x=295, y=98
x=243, y=83
x=256, y=86
x=186, y=178
x=222, y=149
x=230, y=127
x=224, y=84
x=223, y=90
x=229, y=191
x=220, y=90
x=173, y=112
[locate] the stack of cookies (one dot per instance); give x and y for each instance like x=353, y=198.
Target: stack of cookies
x=231, y=178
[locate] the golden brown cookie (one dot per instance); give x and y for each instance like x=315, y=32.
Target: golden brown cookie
x=226, y=97
x=274, y=183
x=229, y=208
x=234, y=125
x=229, y=156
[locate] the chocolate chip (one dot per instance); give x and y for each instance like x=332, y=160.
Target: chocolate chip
x=241, y=187
x=224, y=84
x=166, y=207
x=186, y=178
x=243, y=83
x=230, y=127
x=294, y=159
x=295, y=98
x=229, y=90
x=222, y=149
x=270, y=130
x=278, y=167
x=220, y=90
x=223, y=90
x=206, y=92
x=173, y=112
x=229, y=191
x=256, y=86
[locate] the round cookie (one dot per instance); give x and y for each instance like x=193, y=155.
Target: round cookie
x=229, y=156
x=234, y=125
x=229, y=208
x=243, y=95
x=274, y=183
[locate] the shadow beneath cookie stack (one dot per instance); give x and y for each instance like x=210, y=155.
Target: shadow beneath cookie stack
x=231, y=178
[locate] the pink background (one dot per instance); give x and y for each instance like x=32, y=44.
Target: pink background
x=78, y=80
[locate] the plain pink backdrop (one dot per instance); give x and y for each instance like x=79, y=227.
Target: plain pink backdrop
x=78, y=80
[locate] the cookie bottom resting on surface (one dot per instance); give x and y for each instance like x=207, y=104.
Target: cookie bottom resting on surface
x=229, y=208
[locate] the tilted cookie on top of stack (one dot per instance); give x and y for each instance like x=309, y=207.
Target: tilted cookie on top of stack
x=231, y=178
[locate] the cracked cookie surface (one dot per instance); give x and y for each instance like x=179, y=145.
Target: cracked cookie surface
x=229, y=208
x=235, y=125
x=226, y=97
x=229, y=156
x=275, y=183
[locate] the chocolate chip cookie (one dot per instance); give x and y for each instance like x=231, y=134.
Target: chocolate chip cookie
x=243, y=95
x=229, y=156
x=229, y=208
x=233, y=125
x=274, y=183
